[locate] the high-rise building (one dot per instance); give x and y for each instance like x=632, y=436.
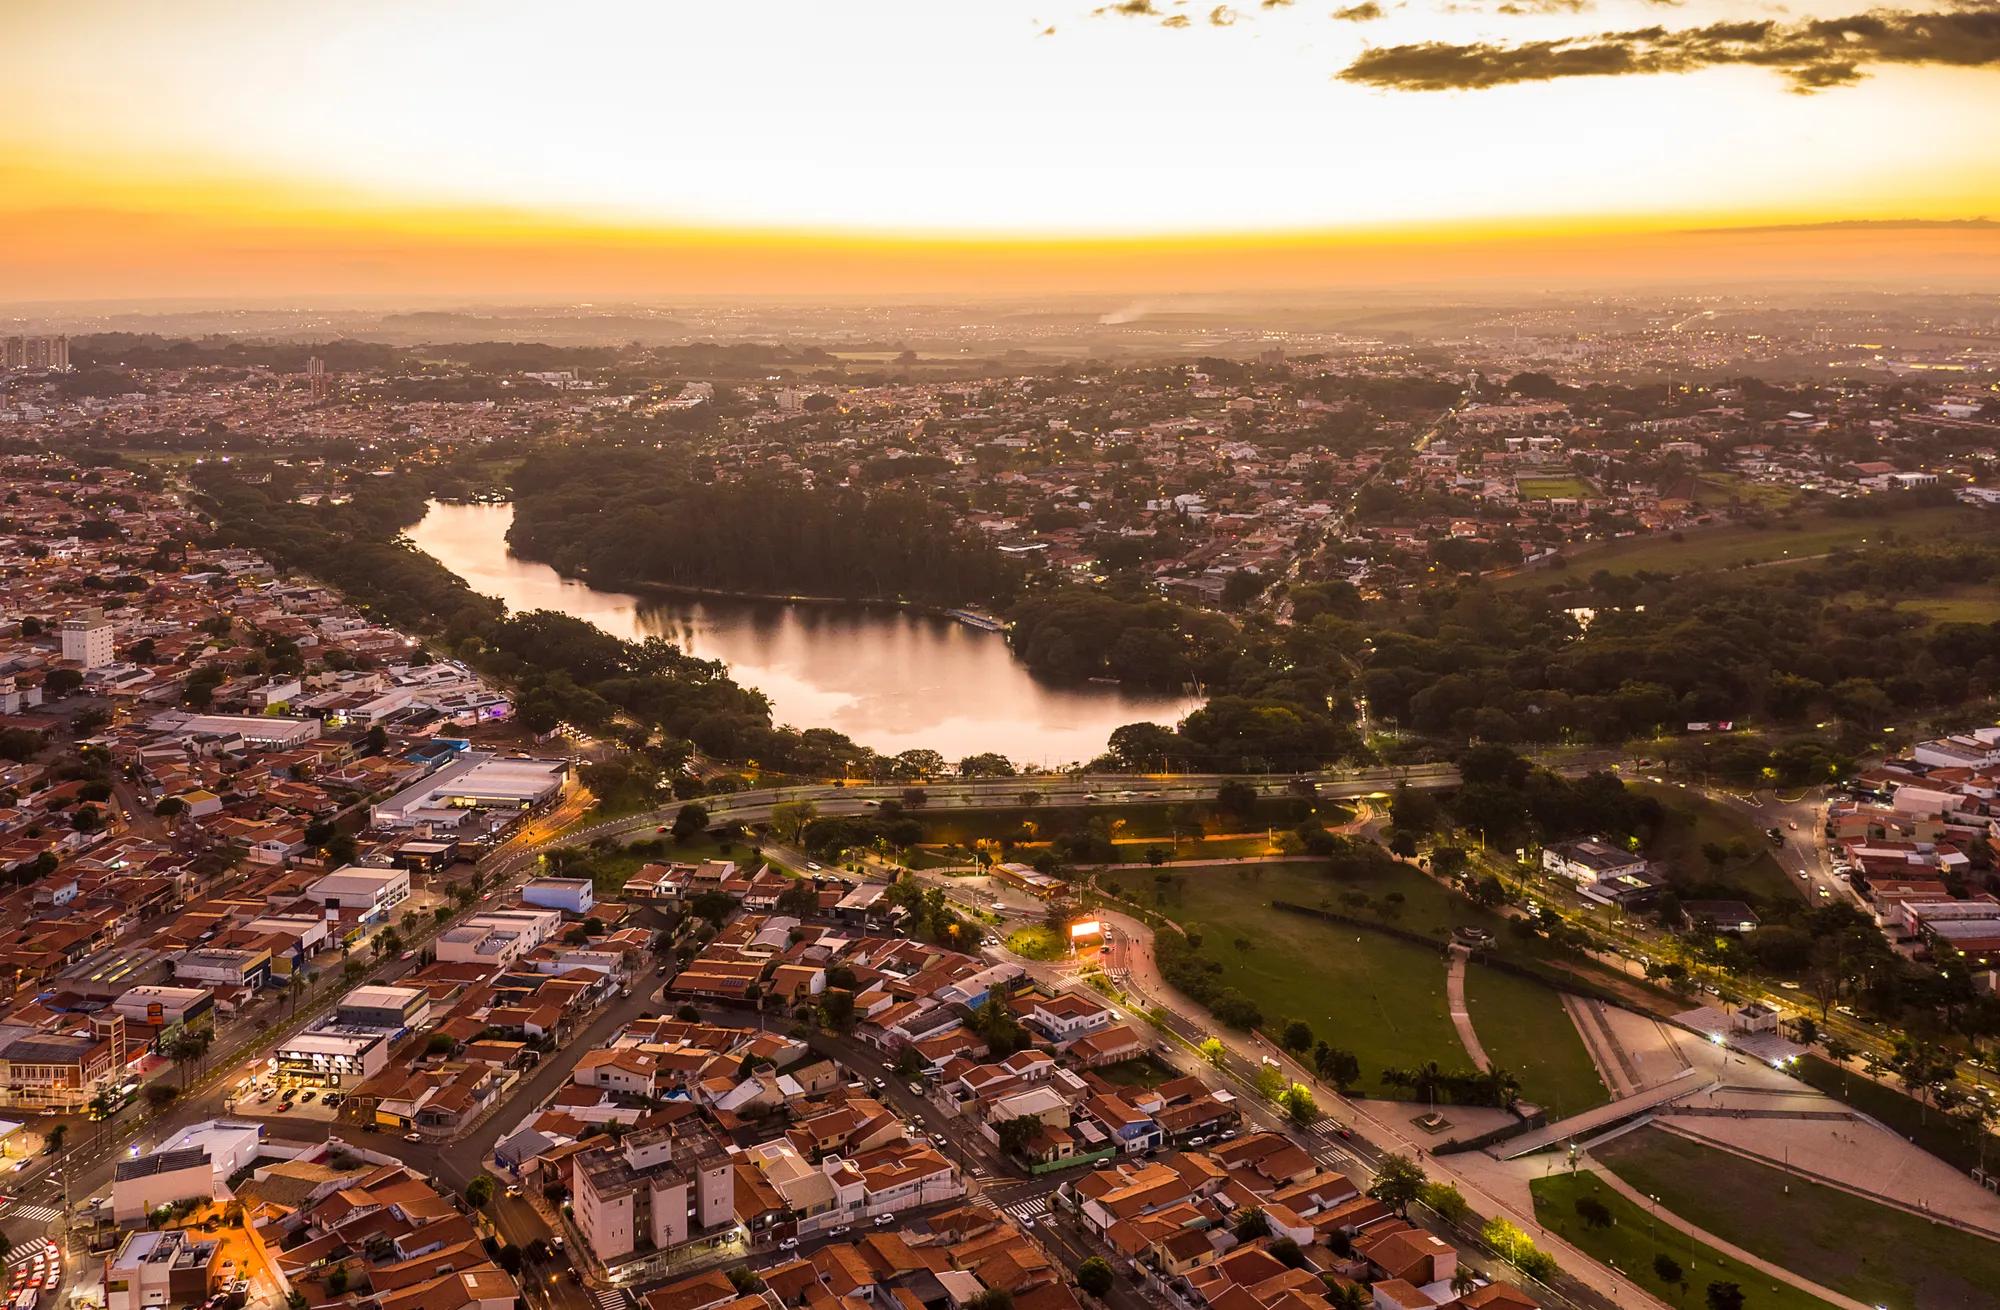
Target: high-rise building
x=318, y=381
x=86, y=639
x=34, y=353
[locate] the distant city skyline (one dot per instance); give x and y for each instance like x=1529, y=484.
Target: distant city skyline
x=229, y=149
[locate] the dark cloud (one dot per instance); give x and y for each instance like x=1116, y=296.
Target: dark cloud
x=1812, y=55
x=1366, y=12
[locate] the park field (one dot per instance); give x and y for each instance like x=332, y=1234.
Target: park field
x=1874, y=1253
x=1554, y=487
x=1958, y=605
x=1725, y=489
x=1378, y=995
x=1631, y=1242
x=1805, y=537
x=1694, y=822
x=1525, y=1028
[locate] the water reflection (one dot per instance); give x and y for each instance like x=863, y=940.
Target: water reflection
x=887, y=678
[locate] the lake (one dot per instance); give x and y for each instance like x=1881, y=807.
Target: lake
x=890, y=679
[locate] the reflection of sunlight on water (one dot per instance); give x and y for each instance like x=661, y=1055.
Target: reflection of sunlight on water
x=888, y=678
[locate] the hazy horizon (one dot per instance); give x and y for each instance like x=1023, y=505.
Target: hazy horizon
x=223, y=151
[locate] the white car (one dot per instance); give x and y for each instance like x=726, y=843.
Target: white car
x=789, y=1244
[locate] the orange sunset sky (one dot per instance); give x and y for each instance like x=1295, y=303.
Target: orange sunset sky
x=229, y=150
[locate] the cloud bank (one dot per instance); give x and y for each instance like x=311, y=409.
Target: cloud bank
x=1811, y=55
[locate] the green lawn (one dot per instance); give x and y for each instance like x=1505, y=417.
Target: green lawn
x=1720, y=490
x=1694, y=821
x=1037, y=942
x=1972, y=605
x=1379, y=996
x=1552, y=488
x=1724, y=547
x=1633, y=1239
x=1873, y=1253
x=1524, y=1028
x=1143, y=1072
x=1956, y=605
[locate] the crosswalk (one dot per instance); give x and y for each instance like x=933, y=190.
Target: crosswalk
x=610, y=1298
x=40, y=1214
x=1028, y=1211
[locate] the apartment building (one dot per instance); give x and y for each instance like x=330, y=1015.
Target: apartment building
x=653, y=1191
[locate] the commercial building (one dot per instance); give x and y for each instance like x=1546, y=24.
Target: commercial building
x=87, y=639
x=474, y=781
x=395, y=1009
x=1601, y=872
x=654, y=1190
x=167, y=1268
x=160, y=1005
x=499, y=938
x=270, y=731
x=194, y=1164
x=61, y=1072
x=221, y=966
x=370, y=893
x=570, y=895
x=140, y=1186
x=334, y=1056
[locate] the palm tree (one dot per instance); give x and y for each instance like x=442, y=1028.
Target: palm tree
x=1501, y=1086
x=1463, y=1281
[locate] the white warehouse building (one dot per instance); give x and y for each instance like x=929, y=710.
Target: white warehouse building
x=474, y=781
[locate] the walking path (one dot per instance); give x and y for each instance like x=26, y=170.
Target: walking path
x=1461, y=1018
x=1730, y=1249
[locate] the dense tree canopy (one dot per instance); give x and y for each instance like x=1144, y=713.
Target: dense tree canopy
x=632, y=515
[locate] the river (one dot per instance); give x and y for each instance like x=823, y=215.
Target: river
x=890, y=679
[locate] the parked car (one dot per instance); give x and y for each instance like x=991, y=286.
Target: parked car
x=413, y=1137
x=789, y=1244
x=884, y=1220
